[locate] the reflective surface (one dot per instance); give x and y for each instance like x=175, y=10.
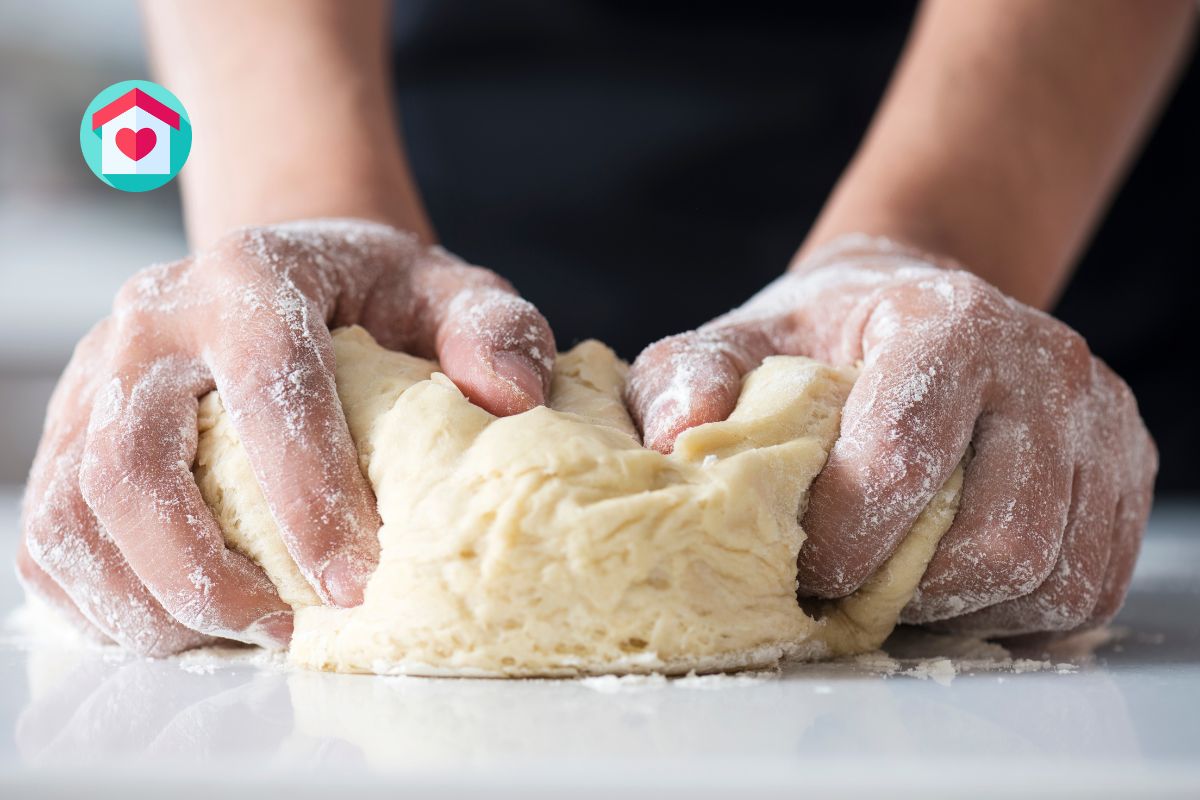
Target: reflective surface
x=1122, y=721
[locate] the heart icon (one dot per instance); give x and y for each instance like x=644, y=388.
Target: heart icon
x=136, y=145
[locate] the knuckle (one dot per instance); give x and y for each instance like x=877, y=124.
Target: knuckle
x=95, y=480
x=1075, y=610
x=102, y=471
x=1013, y=562
x=287, y=377
x=482, y=278
x=1113, y=389
x=1073, y=359
x=249, y=243
x=248, y=255
x=144, y=291
x=963, y=293
x=196, y=610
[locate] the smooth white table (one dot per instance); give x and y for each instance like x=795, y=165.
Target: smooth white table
x=1124, y=723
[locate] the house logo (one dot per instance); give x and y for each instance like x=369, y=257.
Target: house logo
x=135, y=136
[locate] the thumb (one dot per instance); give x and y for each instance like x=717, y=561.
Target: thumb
x=498, y=349
x=690, y=379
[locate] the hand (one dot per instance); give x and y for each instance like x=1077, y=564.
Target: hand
x=116, y=533
x=1058, y=490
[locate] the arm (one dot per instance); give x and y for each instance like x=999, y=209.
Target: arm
x=292, y=107
x=1007, y=127
x=1000, y=140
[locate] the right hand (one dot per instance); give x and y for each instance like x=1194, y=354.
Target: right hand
x=1056, y=497
x=115, y=532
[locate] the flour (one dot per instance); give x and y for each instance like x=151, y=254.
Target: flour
x=207, y=660
x=940, y=670
x=610, y=684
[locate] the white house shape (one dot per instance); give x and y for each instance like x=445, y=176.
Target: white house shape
x=135, y=135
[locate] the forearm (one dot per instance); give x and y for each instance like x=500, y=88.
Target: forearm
x=292, y=111
x=1005, y=131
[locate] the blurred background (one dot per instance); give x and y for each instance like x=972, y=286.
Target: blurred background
x=736, y=131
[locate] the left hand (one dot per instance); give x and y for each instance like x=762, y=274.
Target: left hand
x=1056, y=497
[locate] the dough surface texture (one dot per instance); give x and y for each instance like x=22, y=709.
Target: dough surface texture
x=551, y=543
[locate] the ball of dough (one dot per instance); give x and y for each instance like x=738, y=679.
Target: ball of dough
x=551, y=543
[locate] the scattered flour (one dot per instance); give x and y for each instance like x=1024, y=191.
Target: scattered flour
x=911, y=653
x=207, y=660
x=611, y=684
x=941, y=670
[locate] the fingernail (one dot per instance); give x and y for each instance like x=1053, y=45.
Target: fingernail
x=345, y=577
x=272, y=631
x=519, y=371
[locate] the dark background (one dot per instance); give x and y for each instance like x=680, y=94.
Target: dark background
x=636, y=169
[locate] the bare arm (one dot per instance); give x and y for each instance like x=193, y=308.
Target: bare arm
x=292, y=109
x=1006, y=128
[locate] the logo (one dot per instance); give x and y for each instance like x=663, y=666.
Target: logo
x=135, y=136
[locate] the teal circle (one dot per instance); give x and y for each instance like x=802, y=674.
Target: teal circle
x=90, y=143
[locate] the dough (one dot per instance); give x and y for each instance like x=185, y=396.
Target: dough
x=552, y=543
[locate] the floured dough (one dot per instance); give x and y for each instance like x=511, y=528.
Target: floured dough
x=552, y=543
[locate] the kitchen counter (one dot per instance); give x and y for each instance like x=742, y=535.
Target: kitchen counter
x=1120, y=721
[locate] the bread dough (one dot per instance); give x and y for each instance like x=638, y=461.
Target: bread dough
x=551, y=543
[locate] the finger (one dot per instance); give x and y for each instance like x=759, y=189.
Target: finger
x=37, y=583
x=498, y=349
x=275, y=373
x=1068, y=596
x=1132, y=513
x=1008, y=533
x=1138, y=459
x=136, y=476
x=1070, y=593
x=63, y=539
x=691, y=379
x=495, y=346
x=905, y=426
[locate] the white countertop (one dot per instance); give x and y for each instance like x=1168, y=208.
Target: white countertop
x=1123, y=722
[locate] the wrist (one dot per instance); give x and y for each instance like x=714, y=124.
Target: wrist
x=865, y=250
x=291, y=105
x=351, y=168
x=286, y=192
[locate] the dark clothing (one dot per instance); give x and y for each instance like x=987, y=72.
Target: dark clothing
x=637, y=168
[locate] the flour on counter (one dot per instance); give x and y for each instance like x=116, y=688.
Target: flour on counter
x=610, y=684
x=207, y=660
x=910, y=652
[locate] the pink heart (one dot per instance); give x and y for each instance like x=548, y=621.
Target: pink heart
x=136, y=145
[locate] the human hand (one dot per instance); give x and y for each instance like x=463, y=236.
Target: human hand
x=115, y=532
x=1058, y=490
